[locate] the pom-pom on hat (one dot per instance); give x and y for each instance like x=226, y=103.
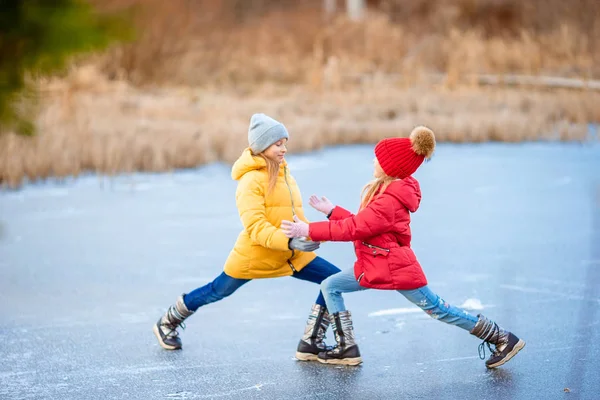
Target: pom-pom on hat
x=401, y=157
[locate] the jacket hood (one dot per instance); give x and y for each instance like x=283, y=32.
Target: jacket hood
x=248, y=162
x=407, y=191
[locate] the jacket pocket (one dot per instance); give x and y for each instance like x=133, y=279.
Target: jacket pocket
x=374, y=264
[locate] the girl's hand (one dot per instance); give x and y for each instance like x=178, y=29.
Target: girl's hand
x=294, y=229
x=323, y=204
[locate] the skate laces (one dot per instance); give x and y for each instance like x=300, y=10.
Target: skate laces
x=334, y=350
x=481, y=349
x=493, y=329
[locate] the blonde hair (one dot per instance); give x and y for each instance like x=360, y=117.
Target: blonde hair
x=272, y=172
x=374, y=189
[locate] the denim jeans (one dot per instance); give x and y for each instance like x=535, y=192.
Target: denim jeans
x=344, y=282
x=224, y=285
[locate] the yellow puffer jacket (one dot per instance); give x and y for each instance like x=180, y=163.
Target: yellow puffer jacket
x=261, y=250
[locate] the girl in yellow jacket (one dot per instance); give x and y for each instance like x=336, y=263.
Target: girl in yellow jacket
x=266, y=195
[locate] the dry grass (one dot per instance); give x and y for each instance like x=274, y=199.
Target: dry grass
x=107, y=127
x=204, y=43
x=183, y=93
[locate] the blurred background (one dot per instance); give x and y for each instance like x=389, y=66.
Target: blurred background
x=119, y=120
x=114, y=86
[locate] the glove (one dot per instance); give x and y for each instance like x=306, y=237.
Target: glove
x=294, y=229
x=301, y=244
x=323, y=204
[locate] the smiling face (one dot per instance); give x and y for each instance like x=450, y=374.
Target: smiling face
x=377, y=170
x=276, y=151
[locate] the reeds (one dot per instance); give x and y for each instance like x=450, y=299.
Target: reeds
x=118, y=128
x=182, y=94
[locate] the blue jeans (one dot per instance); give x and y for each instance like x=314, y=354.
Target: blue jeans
x=224, y=285
x=344, y=282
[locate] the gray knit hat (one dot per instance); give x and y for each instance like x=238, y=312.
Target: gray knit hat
x=263, y=132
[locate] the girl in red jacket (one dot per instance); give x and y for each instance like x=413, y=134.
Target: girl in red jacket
x=381, y=235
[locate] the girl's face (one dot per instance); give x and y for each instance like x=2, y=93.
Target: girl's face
x=377, y=171
x=276, y=151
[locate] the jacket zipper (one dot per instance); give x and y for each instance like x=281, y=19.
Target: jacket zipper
x=290, y=190
x=360, y=277
x=289, y=261
x=375, y=247
x=292, y=265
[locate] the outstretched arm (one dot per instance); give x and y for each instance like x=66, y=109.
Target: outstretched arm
x=339, y=213
x=376, y=218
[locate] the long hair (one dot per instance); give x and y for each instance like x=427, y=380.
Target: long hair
x=374, y=189
x=272, y=171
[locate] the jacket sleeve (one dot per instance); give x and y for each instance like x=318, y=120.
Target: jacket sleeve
x=375, y=219
x=250, y=201
x=339, y=213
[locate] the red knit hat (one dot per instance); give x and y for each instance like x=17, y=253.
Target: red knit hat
x=400, y=157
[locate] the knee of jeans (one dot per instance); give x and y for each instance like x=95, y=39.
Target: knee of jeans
x=223, y=292
x=326, y=285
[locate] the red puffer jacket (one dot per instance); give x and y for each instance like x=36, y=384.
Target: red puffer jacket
x=381, y=235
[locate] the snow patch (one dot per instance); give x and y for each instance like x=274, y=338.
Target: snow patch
x=469, y=304
x=394, y=311
x=472, y=304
